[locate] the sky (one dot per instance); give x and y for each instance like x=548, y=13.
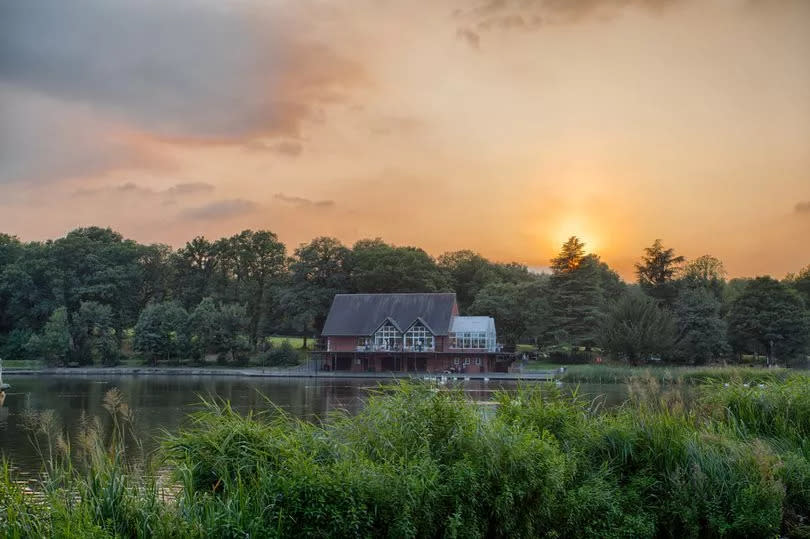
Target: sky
x=502, y=126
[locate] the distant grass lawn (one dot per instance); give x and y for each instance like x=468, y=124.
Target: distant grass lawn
x=542, y=366
x=136, y=361
x=296, y=342
x=22, y=363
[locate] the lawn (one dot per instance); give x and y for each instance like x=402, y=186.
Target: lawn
x=296, y=342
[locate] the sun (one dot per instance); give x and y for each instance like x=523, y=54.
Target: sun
x=579, y=226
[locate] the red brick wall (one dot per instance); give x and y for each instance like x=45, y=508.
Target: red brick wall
x=342, y=344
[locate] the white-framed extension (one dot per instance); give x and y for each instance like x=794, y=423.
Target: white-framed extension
x=473, y=333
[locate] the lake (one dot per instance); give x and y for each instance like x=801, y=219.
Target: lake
x=164, y=401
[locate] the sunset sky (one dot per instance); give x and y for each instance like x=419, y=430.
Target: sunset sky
x=502, y=126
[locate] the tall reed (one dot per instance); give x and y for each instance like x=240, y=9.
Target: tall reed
x=419, y=461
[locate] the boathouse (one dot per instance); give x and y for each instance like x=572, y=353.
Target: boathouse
x=408, y=333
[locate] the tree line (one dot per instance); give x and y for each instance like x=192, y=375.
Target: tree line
x=84, y=297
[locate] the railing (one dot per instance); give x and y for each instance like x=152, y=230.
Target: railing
x=497, y=348
x=389, y=348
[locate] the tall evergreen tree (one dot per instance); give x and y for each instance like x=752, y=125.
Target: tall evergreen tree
x=577, y=298
x=656, y=273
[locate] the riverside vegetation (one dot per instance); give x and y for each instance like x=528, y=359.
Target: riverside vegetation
x=93, y=297
x=419, y=461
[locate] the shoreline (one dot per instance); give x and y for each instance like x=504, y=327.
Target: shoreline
x=272, y=373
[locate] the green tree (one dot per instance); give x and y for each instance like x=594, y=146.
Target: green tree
x=705, y=271
x=203, y=325
x=94, y=336
x=636, y=329
x=54, y=343
x=518, y=308
x=467, y=273
x=251, y=264
x=570, y=256
x=97, y=264
x=231, y=340
x=701, y=335
x=193, y=271
x=577, y=298
x=656, y=273
x=161, y=331
x=381, y=268
x=768, y=317
x=155, y=275
x=801, y=284
x=319, y=270
x=283, y=356
x=27, y=294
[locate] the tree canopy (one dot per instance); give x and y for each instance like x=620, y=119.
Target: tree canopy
x=78, y=298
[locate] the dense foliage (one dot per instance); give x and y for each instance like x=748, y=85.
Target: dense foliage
x=93, y=296
x=422, y=462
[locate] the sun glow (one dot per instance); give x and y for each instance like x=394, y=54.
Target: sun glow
x=579, y=226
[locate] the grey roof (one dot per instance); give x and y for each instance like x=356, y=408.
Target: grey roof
x=362, y=314
x=473, y=324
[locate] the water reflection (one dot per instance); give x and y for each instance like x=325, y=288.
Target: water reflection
x=164, y=402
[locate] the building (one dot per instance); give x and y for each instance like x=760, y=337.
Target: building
x=408, y=333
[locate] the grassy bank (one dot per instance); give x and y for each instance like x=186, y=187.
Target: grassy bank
x=622, y=374
x=422, y=462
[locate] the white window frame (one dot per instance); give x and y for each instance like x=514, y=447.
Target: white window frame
x=419, y=338
x=387, y=337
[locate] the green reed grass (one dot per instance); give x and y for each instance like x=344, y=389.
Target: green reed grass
x=668, y=374
x=419, y=461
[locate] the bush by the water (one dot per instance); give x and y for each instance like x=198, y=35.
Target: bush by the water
x=419, y=461
x=283, y=355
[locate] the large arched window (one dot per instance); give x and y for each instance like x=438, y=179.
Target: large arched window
x=419, y=338
x=387, y=337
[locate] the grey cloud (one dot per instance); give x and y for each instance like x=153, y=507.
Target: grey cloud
x=287, y=147
x=528, y=15
x=221, y=209
x=396, y=125
x=132, y=188
x=43, y=139
x=803, y=207
x=472, y=38
x=175, y=67
x=189, y=188
x=177, y=72
x=304, y=202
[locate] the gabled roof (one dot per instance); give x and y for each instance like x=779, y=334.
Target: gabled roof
x=421, y=320
x=362, y=314
x=393, y=323
x=472, y=324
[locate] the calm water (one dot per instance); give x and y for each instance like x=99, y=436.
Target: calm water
x=164, y=402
